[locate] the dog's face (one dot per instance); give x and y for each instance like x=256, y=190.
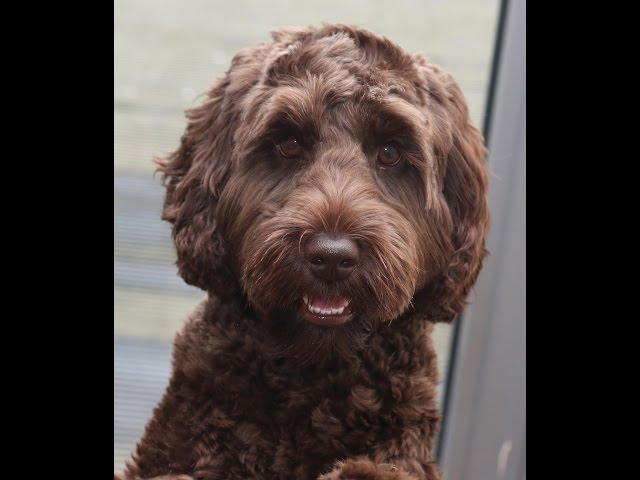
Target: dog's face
x=336, y=182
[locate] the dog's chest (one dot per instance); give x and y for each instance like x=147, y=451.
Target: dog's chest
x=266, y=419
x=303, y=425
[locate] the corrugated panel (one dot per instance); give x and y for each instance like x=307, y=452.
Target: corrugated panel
x=140, y=375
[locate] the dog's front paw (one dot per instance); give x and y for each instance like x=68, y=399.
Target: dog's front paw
x=161, y=477
x=366, y=470
x=174, y=477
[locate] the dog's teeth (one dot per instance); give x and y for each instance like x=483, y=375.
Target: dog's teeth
x=323, y=311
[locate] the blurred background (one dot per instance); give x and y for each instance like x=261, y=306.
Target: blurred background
x=167, y=53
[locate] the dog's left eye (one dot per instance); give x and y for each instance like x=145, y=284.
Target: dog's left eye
x=290, y=148
x=389, y=156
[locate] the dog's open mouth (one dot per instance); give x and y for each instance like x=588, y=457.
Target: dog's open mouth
x=325, y=312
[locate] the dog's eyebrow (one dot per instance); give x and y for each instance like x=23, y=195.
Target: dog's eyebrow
x=289, y=108
x=396, y=109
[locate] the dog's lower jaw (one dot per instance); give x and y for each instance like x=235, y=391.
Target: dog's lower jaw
x=290, y=334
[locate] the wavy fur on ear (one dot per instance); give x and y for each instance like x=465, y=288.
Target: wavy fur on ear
x=197, y=171
x=465, y=192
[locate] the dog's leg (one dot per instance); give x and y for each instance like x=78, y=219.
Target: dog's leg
x=365, y=469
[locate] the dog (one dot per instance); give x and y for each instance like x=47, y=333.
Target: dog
x=329, y=195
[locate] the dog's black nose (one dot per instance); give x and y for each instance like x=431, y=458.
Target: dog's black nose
x=331, y=257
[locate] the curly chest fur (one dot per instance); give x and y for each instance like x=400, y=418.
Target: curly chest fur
x=232, y=407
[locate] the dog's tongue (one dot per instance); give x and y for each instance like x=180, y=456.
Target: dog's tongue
x=325, y=303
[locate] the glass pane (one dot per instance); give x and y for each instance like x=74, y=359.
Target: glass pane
x=166, y=54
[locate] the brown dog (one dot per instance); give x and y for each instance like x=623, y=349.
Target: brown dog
x=329, y=195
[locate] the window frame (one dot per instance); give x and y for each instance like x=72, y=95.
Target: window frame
x=484, y=427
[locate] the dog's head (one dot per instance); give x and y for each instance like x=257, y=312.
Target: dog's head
x=336, y=182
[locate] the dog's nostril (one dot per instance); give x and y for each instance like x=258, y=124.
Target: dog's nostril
x=331, y=257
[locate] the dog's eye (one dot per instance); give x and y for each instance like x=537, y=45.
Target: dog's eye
x=290, y=148
x=389, y=156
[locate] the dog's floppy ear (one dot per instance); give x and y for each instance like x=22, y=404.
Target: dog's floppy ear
x=197, y=171
x=464, y=187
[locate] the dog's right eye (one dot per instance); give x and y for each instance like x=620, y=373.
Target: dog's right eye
x=290, y=148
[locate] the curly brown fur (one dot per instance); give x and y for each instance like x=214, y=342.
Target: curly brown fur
x=257, y=390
